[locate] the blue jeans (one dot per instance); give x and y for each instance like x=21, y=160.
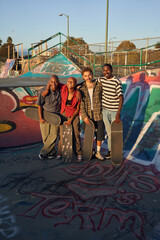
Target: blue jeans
x=108, y=118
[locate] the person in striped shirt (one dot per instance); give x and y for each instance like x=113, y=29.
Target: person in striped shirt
x=112, y=101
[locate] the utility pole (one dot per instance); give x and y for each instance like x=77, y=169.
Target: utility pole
x=106, y=42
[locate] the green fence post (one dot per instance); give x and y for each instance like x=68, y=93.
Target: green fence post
x=141, y=59
x=94, y=65
x=60, y=41
x=28, y=61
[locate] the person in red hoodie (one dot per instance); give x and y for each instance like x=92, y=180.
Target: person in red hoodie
x=70, y=107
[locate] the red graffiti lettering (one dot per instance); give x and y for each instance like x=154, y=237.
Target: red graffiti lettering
x=144, y=183
x=124, y=219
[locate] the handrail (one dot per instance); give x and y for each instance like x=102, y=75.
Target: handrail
x=45, y=51
x=77, y=54
x=44, y=41
x=89, y=52
x=60, y=43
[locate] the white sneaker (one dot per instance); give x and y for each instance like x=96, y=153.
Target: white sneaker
x=59, y=157
x=99, y=156
x=79, y=159
x=42, y=157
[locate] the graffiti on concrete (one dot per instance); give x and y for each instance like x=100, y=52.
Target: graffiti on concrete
x=93, y=196
x=15, y=127
x=7, y=67
x=140, y=116
x=8, y=228
x=58, y=65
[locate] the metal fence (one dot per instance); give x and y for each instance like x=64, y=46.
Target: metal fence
x=123, y=62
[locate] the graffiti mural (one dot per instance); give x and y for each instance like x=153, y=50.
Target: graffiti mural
x=140, y=116
x=8, y=228
x=89, y=200
x=8, y=66
x=90, y=197
x=58, y=65
x=15, y=127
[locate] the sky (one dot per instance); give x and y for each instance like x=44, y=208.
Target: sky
x=29, y=21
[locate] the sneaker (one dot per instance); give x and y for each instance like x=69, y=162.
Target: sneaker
x=51, y=156
x=59, y=157
x=108, y=156
x=42, y=157
x=79, y=158
x=99, y=156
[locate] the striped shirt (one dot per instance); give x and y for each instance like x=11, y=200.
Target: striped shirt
x=112, y=90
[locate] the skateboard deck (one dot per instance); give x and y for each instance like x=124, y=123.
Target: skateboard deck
x=116, y=143
x=51, y=118
x=88, y=141
x=67, y=142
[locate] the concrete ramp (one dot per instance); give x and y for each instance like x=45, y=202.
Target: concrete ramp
x=59, y=65
x=140, y=116
x=8, y=66
x=46, y=200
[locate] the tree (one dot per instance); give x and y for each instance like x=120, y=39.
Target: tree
x=9, y=40
x=0, y=42
x=72, y=44
x=157, y=45
x=130, y=57
x=72, y=41
x=77, y=47
x=126, y=45
x=4, y=49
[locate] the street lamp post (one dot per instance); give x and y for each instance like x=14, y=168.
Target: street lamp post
x=67, y=16
x=106, y=31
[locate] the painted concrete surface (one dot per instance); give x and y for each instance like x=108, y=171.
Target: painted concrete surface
x=7, y=67
x=45, y=200
x=140, y=116
x=59, y=65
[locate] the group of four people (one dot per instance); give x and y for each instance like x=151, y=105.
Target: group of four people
x=99, y=100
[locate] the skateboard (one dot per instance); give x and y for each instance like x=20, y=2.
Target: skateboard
x=116, y=143
x=51, y=118
x=88, y=141
x=67, y=142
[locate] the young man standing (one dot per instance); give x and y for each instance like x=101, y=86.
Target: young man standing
x=50, y=103
x=91, y=106
x=112, y=101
